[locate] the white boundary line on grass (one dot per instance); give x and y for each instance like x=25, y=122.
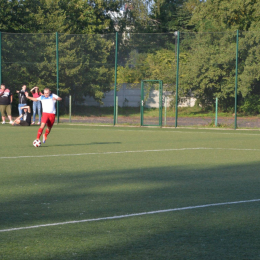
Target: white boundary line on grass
x=131, y=215
x=122, y=152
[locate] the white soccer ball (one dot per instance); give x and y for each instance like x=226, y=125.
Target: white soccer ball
x=37, y=143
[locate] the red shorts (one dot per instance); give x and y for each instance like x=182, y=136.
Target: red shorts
x=48, y=119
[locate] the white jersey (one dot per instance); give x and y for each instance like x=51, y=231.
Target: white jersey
x=48, y=104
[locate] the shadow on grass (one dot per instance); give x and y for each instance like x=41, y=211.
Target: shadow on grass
x=56, y=196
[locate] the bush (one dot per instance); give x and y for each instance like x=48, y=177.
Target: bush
x=251, y=105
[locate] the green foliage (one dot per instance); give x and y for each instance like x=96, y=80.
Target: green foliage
x=160, y=65
x=136, y=16
x=209, y=71
x=249, y=71
x=83, y=68
x=88, y=16
x=85, y=61
x=222, y=15
x=64, y=16
x=211, y=57
x=207, y=60
x=251, y=105
x=13, y=16
x=173, y=15
x=86, y=65
x=148, y=57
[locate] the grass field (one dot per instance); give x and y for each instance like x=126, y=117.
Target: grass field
x=129, y=193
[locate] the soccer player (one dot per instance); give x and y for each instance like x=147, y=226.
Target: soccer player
x=48, y=111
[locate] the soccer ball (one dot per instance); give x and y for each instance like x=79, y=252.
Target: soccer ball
x=37, y=143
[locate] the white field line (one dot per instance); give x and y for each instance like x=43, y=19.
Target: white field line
x=122, y=152
x=130, y=215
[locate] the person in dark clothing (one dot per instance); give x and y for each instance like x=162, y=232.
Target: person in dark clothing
x=22, y=99
x=6, y=99
x=26, y=116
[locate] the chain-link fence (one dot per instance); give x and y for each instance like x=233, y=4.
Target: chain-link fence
x=207, y=73
x=248, y=80
x=144, y=57
x=205, y=68
x=28, y=59
x=87, y=65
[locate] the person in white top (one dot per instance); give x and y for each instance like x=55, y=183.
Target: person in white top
x=48, y=111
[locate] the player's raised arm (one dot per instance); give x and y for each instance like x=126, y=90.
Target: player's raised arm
x=31, y=98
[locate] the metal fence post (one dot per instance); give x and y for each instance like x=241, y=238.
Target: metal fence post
x=57, y=74
x=165, y=110
x=160, y=102
x=115, y=119
x=1, y=58
x=70, y=107
x=236, y=80
x=116, y=108
x=177, y=78
x=216, y=113
x=0, y=63
x=142, y=103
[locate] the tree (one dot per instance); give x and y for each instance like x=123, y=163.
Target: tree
x=223, y=15
x=85, y=60
x=210, y=69
x=13, y=16
x=135, y=16
x=174, y=15
x=64, y=16
x=88, y=16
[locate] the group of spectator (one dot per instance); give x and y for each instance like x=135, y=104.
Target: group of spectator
x=24, y=119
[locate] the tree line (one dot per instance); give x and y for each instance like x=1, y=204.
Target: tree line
x=146, y=46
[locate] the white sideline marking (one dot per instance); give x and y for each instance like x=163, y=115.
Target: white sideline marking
x=131, y=215
x=121, y=152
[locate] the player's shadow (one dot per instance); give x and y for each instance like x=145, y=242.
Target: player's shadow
x=93, y=143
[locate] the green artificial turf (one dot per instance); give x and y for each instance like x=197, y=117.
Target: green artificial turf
x=94, y=173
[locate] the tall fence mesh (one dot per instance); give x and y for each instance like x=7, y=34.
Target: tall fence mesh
x=249, y=80
x=28, y=59
x=84, y=75
x=144, y=57
x=207, y=71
